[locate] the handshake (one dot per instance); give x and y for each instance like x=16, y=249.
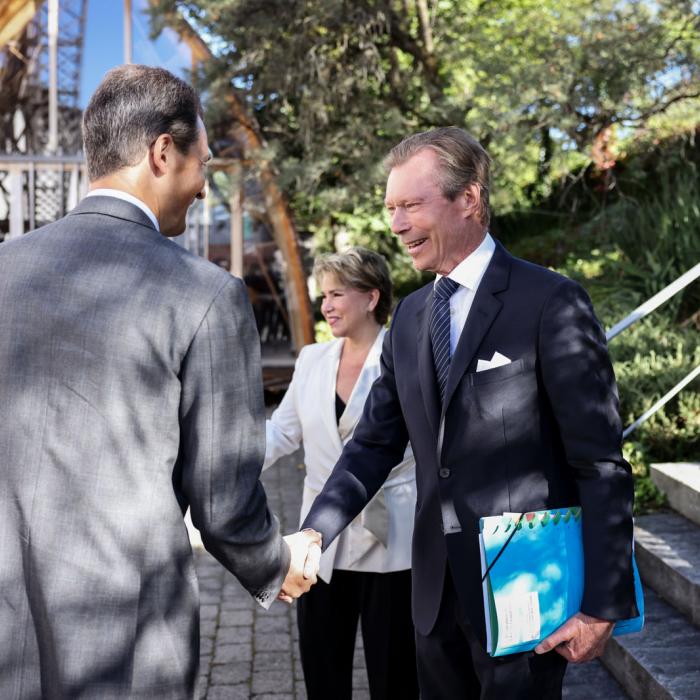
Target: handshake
x=305, y=547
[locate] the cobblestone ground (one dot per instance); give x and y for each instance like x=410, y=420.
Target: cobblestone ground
x=247, y=652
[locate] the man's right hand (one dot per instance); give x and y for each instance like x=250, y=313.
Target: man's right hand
x=305, y=547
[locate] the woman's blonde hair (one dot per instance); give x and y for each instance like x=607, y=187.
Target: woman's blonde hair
x=361, y=269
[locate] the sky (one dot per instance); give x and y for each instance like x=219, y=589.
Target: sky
x=104, y=44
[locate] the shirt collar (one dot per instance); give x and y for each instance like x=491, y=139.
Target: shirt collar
x=470, y=271
x=119, y=194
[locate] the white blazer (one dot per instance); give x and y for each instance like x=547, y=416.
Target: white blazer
x=379, y=539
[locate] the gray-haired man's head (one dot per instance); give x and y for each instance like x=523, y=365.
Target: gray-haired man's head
x=437, y=196
x=131, y=107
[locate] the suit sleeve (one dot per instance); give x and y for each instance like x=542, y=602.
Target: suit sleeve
x=222, y=445
x=377, y=446
x=283, y=431
x=580, y=384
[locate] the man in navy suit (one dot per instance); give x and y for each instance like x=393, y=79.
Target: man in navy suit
x=499, y=376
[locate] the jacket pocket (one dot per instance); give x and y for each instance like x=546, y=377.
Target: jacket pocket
x=497, y=374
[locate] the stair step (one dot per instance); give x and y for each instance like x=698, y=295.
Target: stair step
x=680, y=481
x=667, y=548
x=591, y=680
x=660, y=662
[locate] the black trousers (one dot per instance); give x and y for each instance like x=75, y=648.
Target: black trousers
x=452, y=664
x=327, y=616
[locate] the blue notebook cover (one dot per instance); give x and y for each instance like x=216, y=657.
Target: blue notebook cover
x=537, y=582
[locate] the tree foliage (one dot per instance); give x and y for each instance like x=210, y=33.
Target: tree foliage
x=546, y=85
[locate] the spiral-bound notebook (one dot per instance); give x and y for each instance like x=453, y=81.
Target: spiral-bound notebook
x=534, y=581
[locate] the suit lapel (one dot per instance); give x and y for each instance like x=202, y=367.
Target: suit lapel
x=426, y=368
x=482, y=314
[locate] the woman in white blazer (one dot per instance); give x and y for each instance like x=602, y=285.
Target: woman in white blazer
x=365, y=573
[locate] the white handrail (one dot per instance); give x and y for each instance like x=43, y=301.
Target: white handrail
x=648, y=306
x=640, y=312
x=662, y=401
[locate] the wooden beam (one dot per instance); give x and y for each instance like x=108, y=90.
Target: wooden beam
x=14, y=17
x=128, y=44
x=52, y=145
x=236, y=213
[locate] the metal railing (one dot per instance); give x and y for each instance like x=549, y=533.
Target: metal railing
x=644, y=310
x=38, y=189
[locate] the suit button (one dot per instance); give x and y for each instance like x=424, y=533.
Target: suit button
x=444, y=472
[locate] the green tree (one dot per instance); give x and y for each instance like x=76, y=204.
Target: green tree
x=546, y=85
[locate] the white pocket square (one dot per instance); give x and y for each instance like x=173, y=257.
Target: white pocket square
x=497, y=360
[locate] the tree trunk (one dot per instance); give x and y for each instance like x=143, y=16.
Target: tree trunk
x=425, y=28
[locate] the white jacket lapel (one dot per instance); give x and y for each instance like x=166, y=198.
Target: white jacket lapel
x=327, y=402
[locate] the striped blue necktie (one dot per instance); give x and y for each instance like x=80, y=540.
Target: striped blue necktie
x=440, y=329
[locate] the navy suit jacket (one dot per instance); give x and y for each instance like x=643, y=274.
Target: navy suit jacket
x=540, y=432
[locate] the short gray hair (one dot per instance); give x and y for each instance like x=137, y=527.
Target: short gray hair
x=463, y=162
x=361, y=269
x=131, y=108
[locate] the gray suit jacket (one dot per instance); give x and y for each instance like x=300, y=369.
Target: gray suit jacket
x=129, y=389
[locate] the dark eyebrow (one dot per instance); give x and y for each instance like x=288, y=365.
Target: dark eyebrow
x=405, y=202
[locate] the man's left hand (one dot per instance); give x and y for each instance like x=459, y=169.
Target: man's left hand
x=581, y=638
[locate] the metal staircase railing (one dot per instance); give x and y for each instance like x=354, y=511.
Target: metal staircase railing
x=640, y=312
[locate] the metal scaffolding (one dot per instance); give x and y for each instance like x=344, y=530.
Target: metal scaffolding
x=40, y=114
x=40, y=81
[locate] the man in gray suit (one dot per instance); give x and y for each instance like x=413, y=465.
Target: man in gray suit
x=130, y=389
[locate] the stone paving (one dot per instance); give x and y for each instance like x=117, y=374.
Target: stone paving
x=249, y=653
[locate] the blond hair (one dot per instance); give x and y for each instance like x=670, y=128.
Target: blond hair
x=360, y=269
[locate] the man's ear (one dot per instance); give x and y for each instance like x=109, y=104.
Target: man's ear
x=161, y=154
x=472, y=201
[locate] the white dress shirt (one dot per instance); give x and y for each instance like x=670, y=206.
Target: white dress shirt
x=468, y=275
x=107, y=192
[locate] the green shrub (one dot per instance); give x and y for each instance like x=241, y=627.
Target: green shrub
x=658, y=233
x=622, y=256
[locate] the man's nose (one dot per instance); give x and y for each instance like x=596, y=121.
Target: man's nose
x=203, y=192
x=399, y=221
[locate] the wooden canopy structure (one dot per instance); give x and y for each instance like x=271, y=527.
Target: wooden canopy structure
x=245, y=132
x=15, y=23
x=14, y=17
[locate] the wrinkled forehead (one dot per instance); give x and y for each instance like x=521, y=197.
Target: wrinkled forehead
x=416, y=178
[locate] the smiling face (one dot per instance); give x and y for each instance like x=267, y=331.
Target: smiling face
x=348, y=311
x=438, y=233
x=186, y=182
